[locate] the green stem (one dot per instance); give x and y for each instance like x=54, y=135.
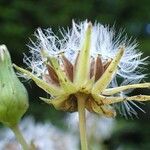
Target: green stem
x=20, y=137
x=82, y=121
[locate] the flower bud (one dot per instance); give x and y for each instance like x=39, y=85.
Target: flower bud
x=13, y=95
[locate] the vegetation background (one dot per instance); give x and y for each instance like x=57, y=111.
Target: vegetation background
x=20, y=18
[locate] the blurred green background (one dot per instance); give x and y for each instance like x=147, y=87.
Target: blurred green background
x=20, y=18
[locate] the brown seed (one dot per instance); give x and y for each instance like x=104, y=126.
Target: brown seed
x=99, y=69
x=68, y=67
x=107, y=64
x=47, y=78
x=53, y=74
x=92, y=68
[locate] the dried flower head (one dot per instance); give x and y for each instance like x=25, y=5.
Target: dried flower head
x=89, y=60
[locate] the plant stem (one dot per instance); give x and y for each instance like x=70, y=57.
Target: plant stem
x=82, y=121
x=20, y=137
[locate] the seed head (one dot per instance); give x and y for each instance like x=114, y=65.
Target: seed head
x=90, y=60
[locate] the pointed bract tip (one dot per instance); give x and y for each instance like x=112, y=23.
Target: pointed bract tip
x=44, y=53
x=122, y=49
x=4, y=54
x=45, y=99
x=89, y=25
x=89, y=29
x=3, y=48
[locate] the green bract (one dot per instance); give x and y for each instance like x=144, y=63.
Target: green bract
x=13, y=95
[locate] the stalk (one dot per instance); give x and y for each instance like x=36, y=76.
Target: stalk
x=82, y=121
x=20, y=137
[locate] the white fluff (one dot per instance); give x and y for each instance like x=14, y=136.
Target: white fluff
x=104, y=41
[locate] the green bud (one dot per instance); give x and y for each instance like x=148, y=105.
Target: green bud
x=13, y=95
